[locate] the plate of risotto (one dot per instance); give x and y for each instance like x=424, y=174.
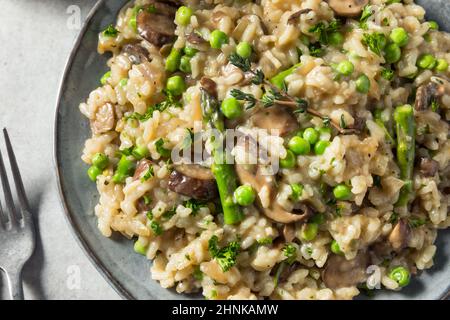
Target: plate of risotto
x=269, y=149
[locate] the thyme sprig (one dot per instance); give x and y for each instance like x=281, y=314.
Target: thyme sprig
x=275, y=96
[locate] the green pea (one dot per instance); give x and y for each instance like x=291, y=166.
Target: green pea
x=335, y=248
x=183, y=16
x=321, y=146
x=218, y=39
x=139, y=248
x=311, y=135
x=100, y=160
x=345, y=68
x=244, y=49
x=336, y=39
x=190, y=52
x=244, y=195
x=105, y=78
x=399, y=36
x=93, y=172
x=392, y=53
x=363, y=84
x=400, y=275
x=185, y=64
x=318, y=218
x=442, y=65
x=426, y=61
x=231, y=108
x=297, y=191
x=433, y=25
x=309, y=231
x=176, y=85
x=342, y=192
x=289, y=161
x=140, y=152
x=173, y=60
x=299, y=146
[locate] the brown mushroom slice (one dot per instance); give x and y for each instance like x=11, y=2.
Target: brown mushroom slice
x=136, y=53
x=248, y=175
x=275, y=118
x=193, y=181
x=399, y=236
x=104, y=119
x=195, y=38
x=157, y=28
x=426, y=94
x=296, y=15
x=428, y=167
x=347, y=8
x=289, y=232
x=142, y=168
x=341, y=273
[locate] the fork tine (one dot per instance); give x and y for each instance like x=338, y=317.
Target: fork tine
x=9, y=210
x=23, y=201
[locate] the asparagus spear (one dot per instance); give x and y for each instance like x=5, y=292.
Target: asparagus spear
x=405, y=128
x=224, y=173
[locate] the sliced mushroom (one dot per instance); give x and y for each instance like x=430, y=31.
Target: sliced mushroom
x=289, y=232
x=209, y=85
x=275, y=118
x=157, y=27
x=341, y=273
x=136, y=53
x=104, y=119
x=252, y=175
x=195, y=38
x=294, y=17
x=399, y=236
x=347, y=8
x=193, y=181
x=428, y=167
x=141, y=206
x=426, y=94
x=142, y=168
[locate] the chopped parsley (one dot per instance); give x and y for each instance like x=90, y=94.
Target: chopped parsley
x=156, y=228
x=149, y=174
x=225, y=257
x=265, y=241
x=197, y=274
x=416, y=222
x=316, y=50
x=366, y=14
x=290, y=252
x=375, y=41
x=394, y=218
x=323, y=30
x=194, y=205
x=434, y=106
x=165, y=153
x=169, y=214
x=342, y=122
x=110, y=31
x=162, y=106
x=147, y=199
x=149, y=215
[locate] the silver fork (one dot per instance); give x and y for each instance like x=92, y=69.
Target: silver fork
x=17, y=233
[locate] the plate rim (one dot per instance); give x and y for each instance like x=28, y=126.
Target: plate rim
x=74, y=228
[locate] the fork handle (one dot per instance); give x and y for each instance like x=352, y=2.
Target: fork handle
x=15, y=285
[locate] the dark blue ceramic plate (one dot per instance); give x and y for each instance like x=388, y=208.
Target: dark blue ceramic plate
x=127, y=272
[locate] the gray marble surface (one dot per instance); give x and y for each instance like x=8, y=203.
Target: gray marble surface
x=35, y=39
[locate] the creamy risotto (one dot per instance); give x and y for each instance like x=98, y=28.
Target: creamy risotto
x=337, y=179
